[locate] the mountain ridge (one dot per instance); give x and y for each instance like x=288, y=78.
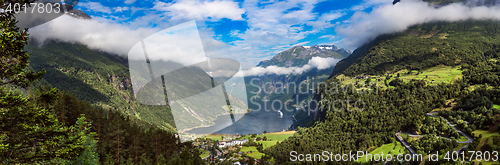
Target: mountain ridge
x=438, y=43
x=298, y=56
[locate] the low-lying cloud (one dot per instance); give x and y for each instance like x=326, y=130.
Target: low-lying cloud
x=364, y=27
x=109, y=37
x=316, y=62
x=176, y=43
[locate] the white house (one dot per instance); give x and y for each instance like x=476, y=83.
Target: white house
x=223, y=144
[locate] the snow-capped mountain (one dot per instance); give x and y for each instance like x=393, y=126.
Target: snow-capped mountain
x=298, y=56
x=295, y=57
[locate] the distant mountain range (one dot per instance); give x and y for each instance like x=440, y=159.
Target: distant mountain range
x=297, y=56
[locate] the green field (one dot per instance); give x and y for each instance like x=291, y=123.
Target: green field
x=275, y=136
x=255, y=153
x=487, y=138
x=214, y=137
x=386, y=148
x=496, y=106
x=485, y=133
x=434, y=75
x=272, y=138
x=267, y=144
x=204, y=153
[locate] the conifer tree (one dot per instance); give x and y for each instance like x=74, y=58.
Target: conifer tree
x=29, y=131
x=89, y=155
x=14, y=61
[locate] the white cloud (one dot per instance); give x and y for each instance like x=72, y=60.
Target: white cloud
x=363, y=27
x=182, y=42
x=129, y=1
x=95, y=7
x=324, y=20
x=315, y=62
x=201, y=10
x=328, y=36
x=274, y=26
x=110, y=37
x=301, y=43
x=121, y=9
x=370, y=3
x=119, y=39
x=322, y=63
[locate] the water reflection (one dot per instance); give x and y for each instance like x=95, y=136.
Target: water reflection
x=254, y=122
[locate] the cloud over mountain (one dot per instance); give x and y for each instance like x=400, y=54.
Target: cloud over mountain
x=315, y=63
x=363, y=27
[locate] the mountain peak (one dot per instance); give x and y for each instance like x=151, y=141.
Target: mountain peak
x=75, y=13
x=325, y=47
x=299, y=55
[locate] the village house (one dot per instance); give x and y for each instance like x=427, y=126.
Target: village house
x=223, y=144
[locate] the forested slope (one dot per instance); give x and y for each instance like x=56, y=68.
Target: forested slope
x=360, y=117
x=422, y=46
x=122, y=139
x=94, y=76
x=104, y=79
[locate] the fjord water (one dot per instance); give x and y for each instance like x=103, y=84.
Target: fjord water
x=266, y=118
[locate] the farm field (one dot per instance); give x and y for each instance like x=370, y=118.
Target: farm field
x=255, y=153
x=390, y=148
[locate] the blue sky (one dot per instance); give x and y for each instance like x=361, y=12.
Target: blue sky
x=250, y=31
x=263, y=27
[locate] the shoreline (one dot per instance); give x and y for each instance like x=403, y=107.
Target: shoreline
x=271, y=133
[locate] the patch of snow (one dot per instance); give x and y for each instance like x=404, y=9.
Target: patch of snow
x=307, y=47
x=325, y=47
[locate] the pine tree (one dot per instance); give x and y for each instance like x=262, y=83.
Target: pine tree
x=116, y=135
x=29, y=131
x=89, y=156
x=14, y=62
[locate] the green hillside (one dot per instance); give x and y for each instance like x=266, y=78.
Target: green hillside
x=97, y=77
x=428, y=67
x=422, y=47
x=103, y=79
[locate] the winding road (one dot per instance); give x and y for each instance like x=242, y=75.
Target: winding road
x=433, y=114
x=469, y=139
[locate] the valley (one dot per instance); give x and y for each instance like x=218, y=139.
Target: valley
x=251, y=82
